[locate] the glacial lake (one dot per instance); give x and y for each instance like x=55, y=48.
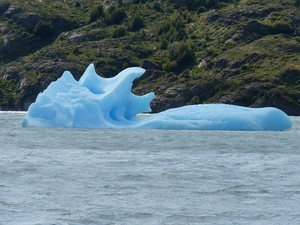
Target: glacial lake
x=106, y=176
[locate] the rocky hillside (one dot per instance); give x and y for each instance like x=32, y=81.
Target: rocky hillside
x=240, y=52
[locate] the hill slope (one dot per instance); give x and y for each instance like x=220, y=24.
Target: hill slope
x=238, y=52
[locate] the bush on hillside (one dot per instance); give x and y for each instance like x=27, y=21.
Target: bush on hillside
x=181, y=52
x=137, y=23
x=96, y=13
x=114, y=15
x=164, y=44
x=118, y=32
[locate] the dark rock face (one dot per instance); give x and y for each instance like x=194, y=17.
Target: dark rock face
x=8, y=43
x=223, y=63
x=254, y=26
x=161, y=104
x=277, y=100
x=30, y=20
x=28, y=88
x=12, y=73
x=152, y=72
x=203, y=92
x=148, y=65
x=3, y=8
x=12, y=10
x=177, y=90
x=29, y=91
x=178, y=96
x=4, y=30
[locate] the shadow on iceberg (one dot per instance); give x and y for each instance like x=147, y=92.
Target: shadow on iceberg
x=96, y=102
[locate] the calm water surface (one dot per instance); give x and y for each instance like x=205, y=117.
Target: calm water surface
x=76, y=176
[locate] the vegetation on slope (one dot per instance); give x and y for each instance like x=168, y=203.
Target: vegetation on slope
x=198, y=51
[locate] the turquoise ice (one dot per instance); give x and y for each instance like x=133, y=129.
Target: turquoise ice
x=96, y=102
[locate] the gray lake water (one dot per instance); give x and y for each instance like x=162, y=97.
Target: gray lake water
x=104, y=176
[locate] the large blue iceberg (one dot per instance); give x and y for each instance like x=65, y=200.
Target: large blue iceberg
x=96, y=102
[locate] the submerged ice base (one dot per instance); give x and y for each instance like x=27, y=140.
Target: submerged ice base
x=96, y=102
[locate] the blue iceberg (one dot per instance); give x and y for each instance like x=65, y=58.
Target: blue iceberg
x=96, y=102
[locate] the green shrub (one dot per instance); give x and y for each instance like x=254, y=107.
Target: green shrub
x=96, y=13
x=171, y=35
x=76, y=51
x=164, y=28
x=100, y=34
x=137, y=23
x=169, y=65
x=164, y=44
x=114, y=15
x=118, y=32
x=156, y=6
x=77, y=4
x=180, y=34
x=142, y=51
x=195, y=100
x=174, y=30
x=177, y=21
x=181, y=53
x=201, y=9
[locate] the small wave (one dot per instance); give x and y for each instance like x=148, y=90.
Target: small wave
x=295, y=118
x=13, y=112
